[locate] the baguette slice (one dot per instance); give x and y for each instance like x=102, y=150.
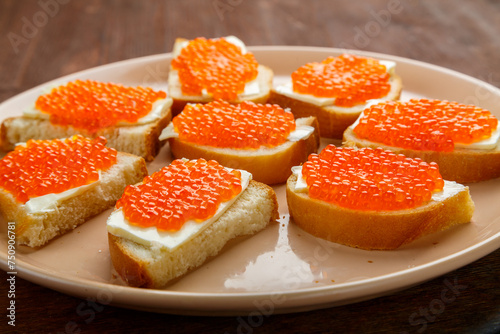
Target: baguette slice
x=332, y=120
x=268, y=165
x=154, y=267
x=264, y=79
x=369, y=230
x=460, y=165
x=141, y=140
x=36, y=229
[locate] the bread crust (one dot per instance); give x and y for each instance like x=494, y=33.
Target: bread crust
x=375, y=230
x=129, y=266
x=264, y=78
x=460, y=165
x=141, y=140
x=333, y=121
x=36, y=229
x=269, y=166
x=155, y=267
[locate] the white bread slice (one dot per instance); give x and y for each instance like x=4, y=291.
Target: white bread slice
x=267, y=165
x=332, y=120
x=36, y=229
x=382, y=230
x=141, y=140
x=155, y=267
x=461, y=165
x=264, y=79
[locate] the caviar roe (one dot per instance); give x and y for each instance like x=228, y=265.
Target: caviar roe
x=350, y=79
x=240, y=126
x=216, y=65
x=370, y=179
x=93, y=105
x=42, y=167
x=184, y=190
x=427, y=125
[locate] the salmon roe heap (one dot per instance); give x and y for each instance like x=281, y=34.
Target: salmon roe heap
x=350, y=79
x=216, y=65
x=425, y=125
x=370, y=179
x=42, y=167
x=92, y=105
x=240, y=126
x=184, y=190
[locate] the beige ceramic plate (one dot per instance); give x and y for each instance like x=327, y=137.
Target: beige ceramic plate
x=281, y=269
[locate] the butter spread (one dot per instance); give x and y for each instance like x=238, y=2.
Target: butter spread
x=158, y=108
x=118, y=225
x=300, y=132
x=287, y=90
x=50, y=202
x=489, y=143
x=450, y=188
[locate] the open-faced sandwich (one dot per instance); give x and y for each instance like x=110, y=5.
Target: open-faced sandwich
x=262, y=139
x=337, y=89
x=373, y=199
x=49, y=187
x=182, y=215
x=130, y=118
x=461, y=139
x=204, y=70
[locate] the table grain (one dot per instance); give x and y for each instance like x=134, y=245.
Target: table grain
x=44, y=39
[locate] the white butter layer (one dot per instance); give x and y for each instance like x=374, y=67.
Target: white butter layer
x=486, y=144
x=231, y=39
x=489, y=143
x=287, y=90
x=50, y=202
x=450, y=188
x=251, y=87
x=118, y=225
x=159, y=106
x=300, y=132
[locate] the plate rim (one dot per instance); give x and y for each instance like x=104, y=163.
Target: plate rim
x=91, y=288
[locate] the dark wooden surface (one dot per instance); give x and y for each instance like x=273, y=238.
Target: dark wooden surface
x=80, y=34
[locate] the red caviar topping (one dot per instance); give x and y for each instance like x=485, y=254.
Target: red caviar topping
x=93, y=105
x=44, y=167
x=370, y=179
x=184, y=190
x=350, y=79
x=242, y=126
x=215, y=65
x=422, y=124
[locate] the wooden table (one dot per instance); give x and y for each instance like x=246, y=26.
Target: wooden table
x=43, y=40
